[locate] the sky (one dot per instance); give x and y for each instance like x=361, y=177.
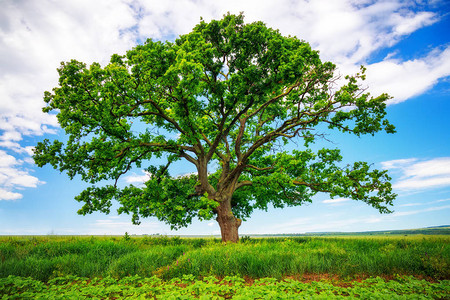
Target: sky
x=405, y=46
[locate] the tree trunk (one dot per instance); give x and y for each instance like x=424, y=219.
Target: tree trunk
x=228, y=223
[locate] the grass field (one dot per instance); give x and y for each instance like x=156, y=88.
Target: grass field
x=342, y=266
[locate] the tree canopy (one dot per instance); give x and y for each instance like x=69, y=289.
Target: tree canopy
x=228, y=98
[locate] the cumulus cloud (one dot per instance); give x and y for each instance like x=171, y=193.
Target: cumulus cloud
x=14, y=176
x=35, y=38
x=8, y=195
x=411, y=22
x=406, y=79
x=330, y=26
x=418, y=174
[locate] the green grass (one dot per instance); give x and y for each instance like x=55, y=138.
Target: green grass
x=45, y=258
x=344, y=257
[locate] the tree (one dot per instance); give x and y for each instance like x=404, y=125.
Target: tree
x=227, y=98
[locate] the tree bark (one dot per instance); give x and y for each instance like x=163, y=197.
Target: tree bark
x=228, y=223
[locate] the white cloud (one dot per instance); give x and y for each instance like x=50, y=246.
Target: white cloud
x=425, y=203
x=411, y=204
x=397, y=163
x=8, y=195
x=423, y=183
x=137, y=179
x=335, y=201
x=411, y=22
x=443, y=200
x=414, y=212
x=14, y=176
x=406, y=79
x=188, y=174
x=418, y=175
x=35, y=38
x=16, y=147
x=7, y=160
x=141, y=179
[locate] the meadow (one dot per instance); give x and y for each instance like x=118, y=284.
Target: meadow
x=260, y=268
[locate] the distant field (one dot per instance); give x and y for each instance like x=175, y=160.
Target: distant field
x=435, y=230
x=337, y=261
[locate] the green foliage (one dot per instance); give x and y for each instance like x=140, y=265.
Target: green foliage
x=135, y=287
x=228, y=94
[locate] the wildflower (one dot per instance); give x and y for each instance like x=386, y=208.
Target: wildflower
x=177, y=262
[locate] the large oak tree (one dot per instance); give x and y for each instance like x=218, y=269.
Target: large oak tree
x=227, y=98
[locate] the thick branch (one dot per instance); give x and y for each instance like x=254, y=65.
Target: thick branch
x=243, y=183
x=311, y=185
x=259, y=169
x=164, y=116
x=286, y=126
x=220, y=155
x=223, y=133
x=177, y=149
x=237, y=145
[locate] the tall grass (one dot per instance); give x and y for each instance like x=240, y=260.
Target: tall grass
x=44, y=258
x=344, y=257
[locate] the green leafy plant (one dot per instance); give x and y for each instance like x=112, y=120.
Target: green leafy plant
x=231, y=287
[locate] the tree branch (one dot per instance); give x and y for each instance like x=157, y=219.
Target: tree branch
x=259, y=169
x=243, y=183
x=272, y=100
x=132, y=161
x=237, y=144
x=220, y=155
x=165, y=117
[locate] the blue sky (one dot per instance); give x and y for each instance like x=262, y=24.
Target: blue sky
x=405, y=46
